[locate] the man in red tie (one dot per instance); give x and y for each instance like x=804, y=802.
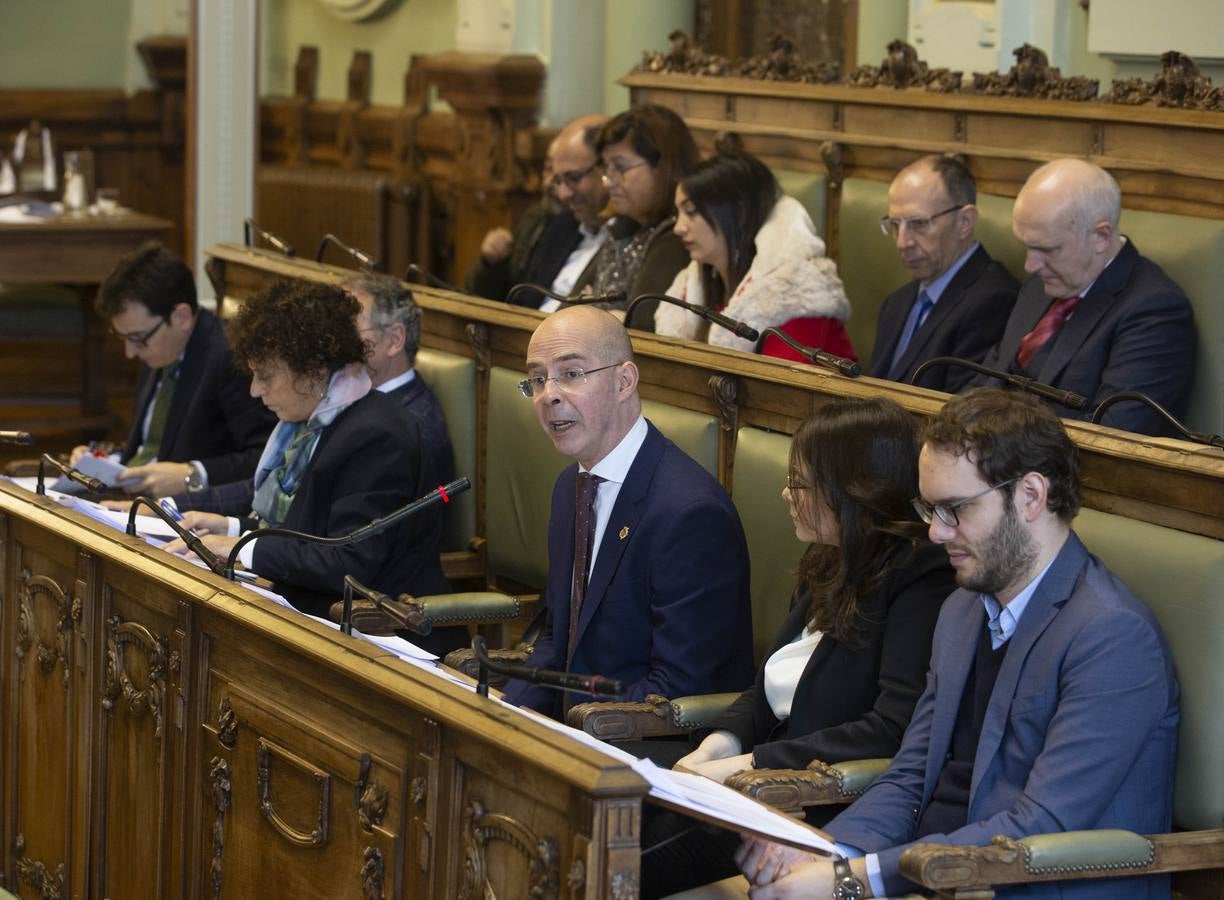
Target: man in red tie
x=1095, y=317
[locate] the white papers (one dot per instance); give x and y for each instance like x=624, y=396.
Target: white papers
x=146, y=526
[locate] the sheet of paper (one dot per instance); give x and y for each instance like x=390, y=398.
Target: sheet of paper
x=146, y=526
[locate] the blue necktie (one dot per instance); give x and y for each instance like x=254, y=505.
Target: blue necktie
x=917, y=315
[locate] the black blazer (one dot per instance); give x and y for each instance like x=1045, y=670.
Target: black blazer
x=213, y=417
x=418, y=399
x=967, y=321
x=1134, y=331
x=543, y=242
x=852, y=702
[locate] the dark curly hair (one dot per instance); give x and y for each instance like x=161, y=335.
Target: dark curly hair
x=862, y=456
x=310, y=327
x=1006, y=435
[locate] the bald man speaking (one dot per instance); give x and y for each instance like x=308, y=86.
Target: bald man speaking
x=647, y=561
x=1096, y=317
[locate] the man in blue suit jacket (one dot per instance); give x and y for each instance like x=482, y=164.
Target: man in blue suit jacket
x=1051, y=703
x=1132, y=328
x=665, y=606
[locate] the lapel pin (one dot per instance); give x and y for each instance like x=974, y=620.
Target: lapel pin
x=624, y=532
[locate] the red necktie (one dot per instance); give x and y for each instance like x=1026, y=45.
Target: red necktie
x=1055, y=316
x=585, y=489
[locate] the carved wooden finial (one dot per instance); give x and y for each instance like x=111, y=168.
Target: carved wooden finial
x=359, y=76
x=306, y=73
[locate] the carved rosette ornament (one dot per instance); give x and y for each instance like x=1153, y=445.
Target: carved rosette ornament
x=479, y=828
x=227, y=724
x=372, y=874
x=120, y=638
x=37, y=875
x=219, y=782
x=68, y=610
x=625, y=886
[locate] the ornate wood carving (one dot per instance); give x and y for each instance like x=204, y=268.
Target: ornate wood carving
x=219, y=783
x=227, y=724
x=306, y=73
x=625, y=886
x=781, y=62
x=833, y=154
x=317, y=836
x=726, y=392
x=478, y=336
x=963, y=872
x=372, y=874
x=372, y=807
x=1033, y=76
x=902, y=68
x=625, y=720
x=1179, y=84
x=37, y=875
x=120, y=637
x=576, y=879
x=68, y=608
x=481, y=827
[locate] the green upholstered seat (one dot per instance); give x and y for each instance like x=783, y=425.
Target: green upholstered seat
x=761, y=466
x=693, y=432
x=452, y=378
x=1181, y=578
x=809, y=188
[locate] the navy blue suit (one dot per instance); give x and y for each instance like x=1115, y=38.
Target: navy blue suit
x=417, y=398
x=667, y=604
x=967, y=321
x=1133, y=331
x=1080, y=731
x=212, y=418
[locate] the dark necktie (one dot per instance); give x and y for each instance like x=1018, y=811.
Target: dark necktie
x=157, y=421
x=1050, y=323
x=917, y=315
x=585, y=489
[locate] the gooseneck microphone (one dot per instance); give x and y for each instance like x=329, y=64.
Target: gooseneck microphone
x=190, y=538
x=23, y=438
x=1198, y=437
x=248, y=225
x=76, y=476
x=735, y=326
x=562, y=681
x=363, y=258
x=440, y=494
x=417, y=275
x=1069, y=399
x=577, y=300
x=847, y=367
x=407, y=614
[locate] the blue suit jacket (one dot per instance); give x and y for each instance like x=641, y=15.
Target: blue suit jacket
x=967, y=321
x=1081, y=730
x=417, y=398
x=667, y=605
x=1133, y=331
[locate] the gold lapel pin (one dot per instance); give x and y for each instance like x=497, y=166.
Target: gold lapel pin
x=624, y=532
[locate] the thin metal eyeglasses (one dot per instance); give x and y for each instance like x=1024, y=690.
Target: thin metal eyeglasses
x=918, y=225
x=567, y=380
x=616, y=172
x=947, y=511
x=140, y=341
x=572, y=178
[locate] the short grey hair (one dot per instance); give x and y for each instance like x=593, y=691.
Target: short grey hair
x=392, y=302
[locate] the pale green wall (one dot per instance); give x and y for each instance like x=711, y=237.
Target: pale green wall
x=880, y=21
x=631, y=26
x=64, y=43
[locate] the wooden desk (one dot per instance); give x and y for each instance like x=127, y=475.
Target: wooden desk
x=77, y=251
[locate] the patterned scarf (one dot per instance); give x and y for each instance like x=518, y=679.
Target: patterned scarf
x=286, y=456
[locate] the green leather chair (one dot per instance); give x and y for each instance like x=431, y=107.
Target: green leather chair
x=452, y=378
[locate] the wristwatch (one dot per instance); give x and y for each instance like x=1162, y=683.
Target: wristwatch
x=192, y=479
x=845, y=885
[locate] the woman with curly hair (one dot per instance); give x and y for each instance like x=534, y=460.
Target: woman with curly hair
x=850, y=661
x=340, y=456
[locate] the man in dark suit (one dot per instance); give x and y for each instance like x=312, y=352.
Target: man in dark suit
x=648, y=566
x=195, y=421
x=1096, y=317
x=390, y=324
x=1052, y=704
x=960, y=297
x=550, y=247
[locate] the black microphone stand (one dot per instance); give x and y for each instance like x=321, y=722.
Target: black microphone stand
x=190, y=538
x=562, y=681
x=847, y=367
x=439, y=495
x=614, y=297
x=1069, y=399
x=408, y=616
x=417, y=275
x=735, y=326
x=74, y=475
x=366, y=261
x=280, y=244
x=1199, y=437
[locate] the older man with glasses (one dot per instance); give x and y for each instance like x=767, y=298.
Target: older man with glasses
x=960, y=297
x=550, y=247
x=648, y=565
x=195, y=422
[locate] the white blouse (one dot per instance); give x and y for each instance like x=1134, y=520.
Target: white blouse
x=784, y=669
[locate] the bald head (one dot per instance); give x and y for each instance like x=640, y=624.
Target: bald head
x=576, y=181
x=1066, y=215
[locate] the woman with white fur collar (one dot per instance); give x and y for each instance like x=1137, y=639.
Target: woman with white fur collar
x=756, y=257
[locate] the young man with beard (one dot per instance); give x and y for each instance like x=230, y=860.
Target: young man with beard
x=1051, y=703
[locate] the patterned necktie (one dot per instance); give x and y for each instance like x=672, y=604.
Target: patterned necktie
x=585, y=489
x=1055, y=316
x=157, y=421
x=917, y=315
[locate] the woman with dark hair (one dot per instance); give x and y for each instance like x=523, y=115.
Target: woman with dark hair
x=755, y=257
x=850, y=662
x=644, y=153
x=341, y=456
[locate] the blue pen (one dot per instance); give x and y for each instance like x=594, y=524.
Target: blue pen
x=170, y=508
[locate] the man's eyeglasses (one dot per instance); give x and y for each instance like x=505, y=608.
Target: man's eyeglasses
x=139, y=341
x=572, y=178
x=947, y=511
x=916, y=225
x=616, y=172
x=566, y=380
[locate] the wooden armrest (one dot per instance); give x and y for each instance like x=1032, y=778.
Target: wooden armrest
x=651, y=717
x=439, y=610
x=465, y=661
x=1104, y=853
x=820, y=784
x=700, y=710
